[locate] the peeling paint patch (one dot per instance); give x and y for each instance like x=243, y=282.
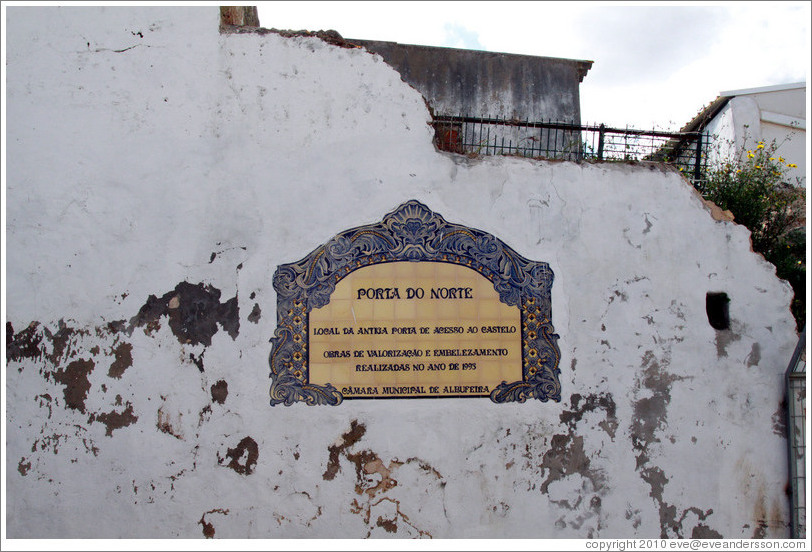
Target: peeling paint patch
x=779, y=420
x=243, y=457
x=219, y=392
x=115, y=420
x=194, y=312
x=755, y=356
x=702, y=531
x=124, y=359
x=208, y=528
x=256, y=314
x=61, y=342
x=374, y=477
x=347, y=440
x=389, y=525
x=23, y=467
x=74, y=378
x=24, y=344
x=370, y=464
x=165, y=425
x=198, y=361
x=389, y=522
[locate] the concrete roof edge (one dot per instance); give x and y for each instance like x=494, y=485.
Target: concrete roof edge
x=584, y=64
x=772, y=88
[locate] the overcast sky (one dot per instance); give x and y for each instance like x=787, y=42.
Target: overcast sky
x=655, y=64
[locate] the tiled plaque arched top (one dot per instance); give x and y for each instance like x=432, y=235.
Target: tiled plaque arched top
x=413, y=233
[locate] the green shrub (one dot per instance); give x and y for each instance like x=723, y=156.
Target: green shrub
x=755, y=187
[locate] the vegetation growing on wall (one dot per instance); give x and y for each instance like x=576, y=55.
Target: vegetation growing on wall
x=754, y=185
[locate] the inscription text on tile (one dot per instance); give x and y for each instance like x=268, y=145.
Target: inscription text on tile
x=406, y=329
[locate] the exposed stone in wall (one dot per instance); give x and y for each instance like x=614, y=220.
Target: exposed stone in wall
x=239, y=16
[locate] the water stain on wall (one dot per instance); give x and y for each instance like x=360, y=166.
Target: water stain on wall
x=650, y=416
x=603, y=401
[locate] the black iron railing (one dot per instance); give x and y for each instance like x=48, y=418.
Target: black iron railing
x=569, y=141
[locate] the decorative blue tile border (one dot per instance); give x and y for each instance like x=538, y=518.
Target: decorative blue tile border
x=412, y=232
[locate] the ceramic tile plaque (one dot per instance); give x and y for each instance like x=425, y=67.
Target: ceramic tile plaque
x=413, y=307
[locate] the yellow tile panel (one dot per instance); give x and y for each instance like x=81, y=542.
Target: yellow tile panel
x=415, y=329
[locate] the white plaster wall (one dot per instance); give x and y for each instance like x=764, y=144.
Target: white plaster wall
x=145, y=149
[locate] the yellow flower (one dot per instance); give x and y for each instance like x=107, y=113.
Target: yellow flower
x=760, y=146
x=780, y=159
x=758, y=166
x=792, y=166
x=750, y=154
x=772, y=158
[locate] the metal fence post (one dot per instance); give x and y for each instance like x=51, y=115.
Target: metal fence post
x=600, y=140
x=698, y=160
x=796, y=437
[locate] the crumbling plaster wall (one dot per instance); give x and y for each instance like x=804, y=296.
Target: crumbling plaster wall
x=158, y=172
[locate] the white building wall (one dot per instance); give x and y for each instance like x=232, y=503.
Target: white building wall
x=723, y=131
x=146, y=151
x=775, y=114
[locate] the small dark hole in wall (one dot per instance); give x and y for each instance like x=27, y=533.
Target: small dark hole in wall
x=716, y=305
